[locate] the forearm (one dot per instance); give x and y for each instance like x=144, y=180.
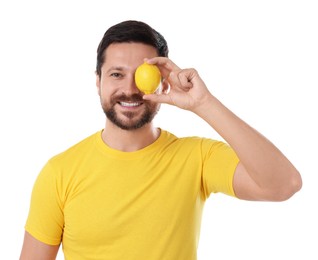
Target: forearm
x=263, y=173
x=265, y=164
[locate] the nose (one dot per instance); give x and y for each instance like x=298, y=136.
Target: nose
x=130, y=87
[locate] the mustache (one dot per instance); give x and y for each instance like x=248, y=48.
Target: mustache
x=132, y=98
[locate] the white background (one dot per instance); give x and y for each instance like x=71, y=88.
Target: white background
x=259, y=57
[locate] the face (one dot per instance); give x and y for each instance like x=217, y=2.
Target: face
x=120, y=98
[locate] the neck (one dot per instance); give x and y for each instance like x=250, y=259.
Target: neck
x=129, y=140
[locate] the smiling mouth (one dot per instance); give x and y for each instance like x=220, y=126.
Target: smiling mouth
x=130, y=104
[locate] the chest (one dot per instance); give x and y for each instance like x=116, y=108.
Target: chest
x=121, y=201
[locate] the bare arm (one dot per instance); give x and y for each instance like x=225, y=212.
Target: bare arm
x=263, y=173
x=33, y=249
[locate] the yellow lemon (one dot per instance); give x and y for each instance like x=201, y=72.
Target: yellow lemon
x=147, y=78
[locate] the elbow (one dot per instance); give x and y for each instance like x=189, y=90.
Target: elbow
x=292, y=186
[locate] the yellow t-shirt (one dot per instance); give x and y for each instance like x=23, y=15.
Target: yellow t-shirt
x=105, y=204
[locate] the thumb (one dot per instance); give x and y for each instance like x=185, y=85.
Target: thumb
x=158, y=98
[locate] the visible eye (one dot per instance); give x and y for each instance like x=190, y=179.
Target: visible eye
x=116, y=75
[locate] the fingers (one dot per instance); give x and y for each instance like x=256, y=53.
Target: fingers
x=183, y=88
x=181, y=78
x=164, y=64
x=185, y=77
x=159, y=98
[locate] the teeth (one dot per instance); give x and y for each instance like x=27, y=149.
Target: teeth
x=135, y=104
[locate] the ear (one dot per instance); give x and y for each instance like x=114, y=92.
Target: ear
x=98, y=83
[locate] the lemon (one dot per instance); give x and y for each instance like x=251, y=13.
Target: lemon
x=147, y=78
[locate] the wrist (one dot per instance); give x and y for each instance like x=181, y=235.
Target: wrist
x=206, y=105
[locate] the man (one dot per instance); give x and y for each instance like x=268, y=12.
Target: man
x=133, y=191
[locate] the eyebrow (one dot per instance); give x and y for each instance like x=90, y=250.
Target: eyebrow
x=119, y=68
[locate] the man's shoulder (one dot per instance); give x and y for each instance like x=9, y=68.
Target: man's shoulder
x=194, y=144
x=187, y=141
x=78, y=149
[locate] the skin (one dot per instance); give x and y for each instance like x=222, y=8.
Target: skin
x=123, y=59
x=263, y=173
x=33, y=249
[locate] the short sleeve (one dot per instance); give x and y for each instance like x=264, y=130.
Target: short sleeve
x=45, y=220
x=219, y=164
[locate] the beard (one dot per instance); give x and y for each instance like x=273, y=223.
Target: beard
x=131, y=120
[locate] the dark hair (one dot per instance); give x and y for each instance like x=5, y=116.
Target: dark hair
x=130, y=31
